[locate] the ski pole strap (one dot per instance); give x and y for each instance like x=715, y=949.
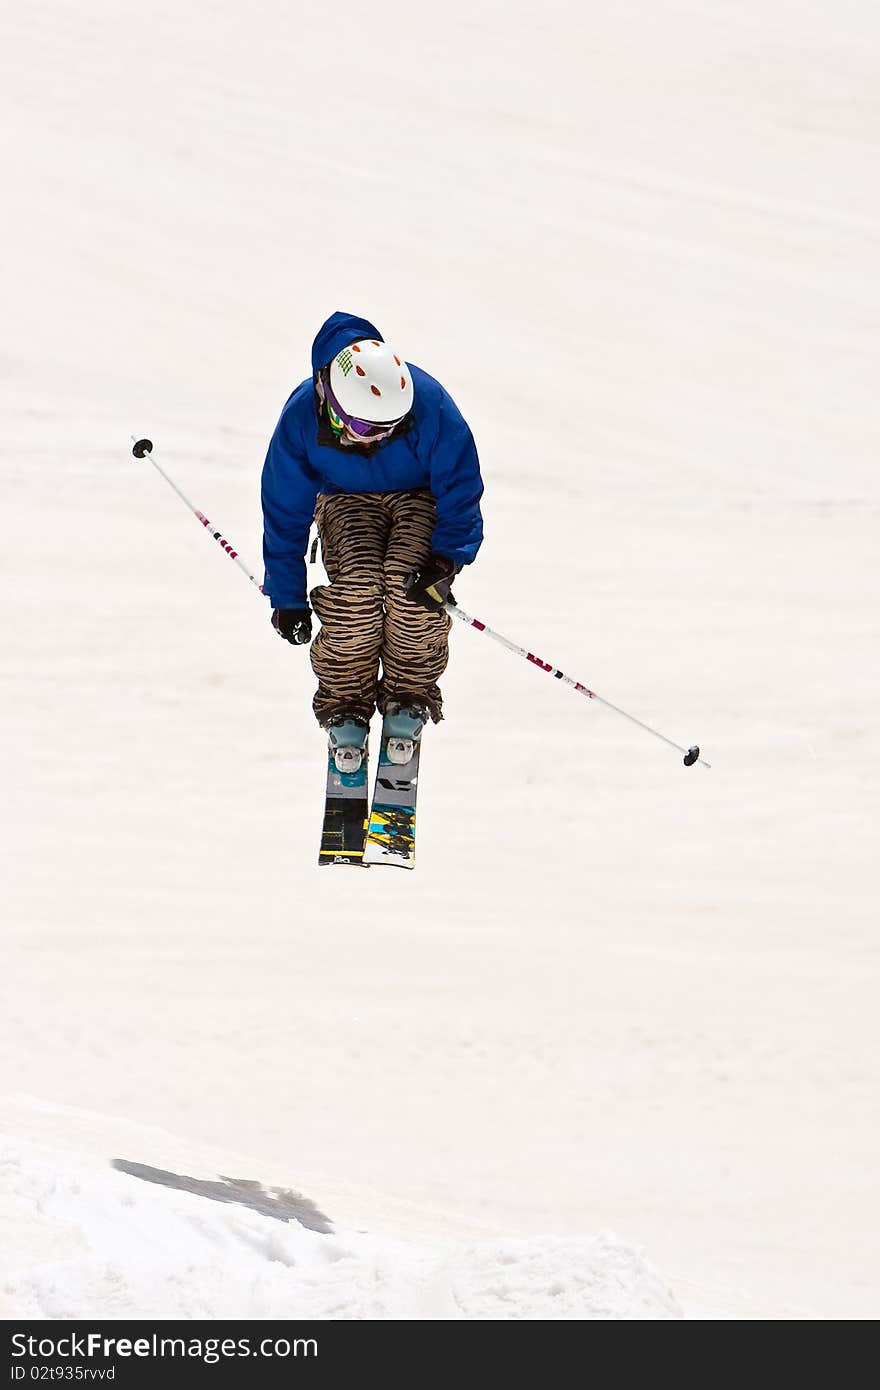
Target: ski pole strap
x=691, y=755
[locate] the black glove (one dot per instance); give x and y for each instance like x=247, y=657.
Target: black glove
x=293, y=624
x=429, y=586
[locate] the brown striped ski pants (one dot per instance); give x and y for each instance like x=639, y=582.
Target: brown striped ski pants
x=369, y=542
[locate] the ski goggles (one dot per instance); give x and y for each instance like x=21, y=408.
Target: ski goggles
x=363, y=429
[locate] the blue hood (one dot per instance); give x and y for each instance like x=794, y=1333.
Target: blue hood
x=338, y=332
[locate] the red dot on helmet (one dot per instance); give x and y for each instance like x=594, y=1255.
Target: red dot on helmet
x=375, y=390
x=360, y=371
x=375, y=343
x=397, y=360
x=403, y=383
x=355, y=348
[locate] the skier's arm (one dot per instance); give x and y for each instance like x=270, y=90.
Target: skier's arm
x=289, y=491
x=457, y=487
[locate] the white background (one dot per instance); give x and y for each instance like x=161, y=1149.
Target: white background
x=639, y=245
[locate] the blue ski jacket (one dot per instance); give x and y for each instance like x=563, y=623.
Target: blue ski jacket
x=432, y=449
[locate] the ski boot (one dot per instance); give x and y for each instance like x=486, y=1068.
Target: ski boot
x=402, y=727
x=347, y=735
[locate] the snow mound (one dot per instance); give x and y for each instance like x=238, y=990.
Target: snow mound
x=87, y=1237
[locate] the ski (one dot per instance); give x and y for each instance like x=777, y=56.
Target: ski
x=391, y=827
x=346, y=801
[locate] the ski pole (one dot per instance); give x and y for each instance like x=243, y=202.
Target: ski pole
x=691, y=755
x=142, y=447
x=145, y=446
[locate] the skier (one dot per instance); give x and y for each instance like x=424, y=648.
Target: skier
x=374, y=451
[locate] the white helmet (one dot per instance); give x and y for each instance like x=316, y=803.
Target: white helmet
x=370, y=382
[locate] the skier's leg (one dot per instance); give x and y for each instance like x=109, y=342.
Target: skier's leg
x=345, y=653
x=415, y=646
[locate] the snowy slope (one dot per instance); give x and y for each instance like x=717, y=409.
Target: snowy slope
x=136, y=1240
x=639, y=245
